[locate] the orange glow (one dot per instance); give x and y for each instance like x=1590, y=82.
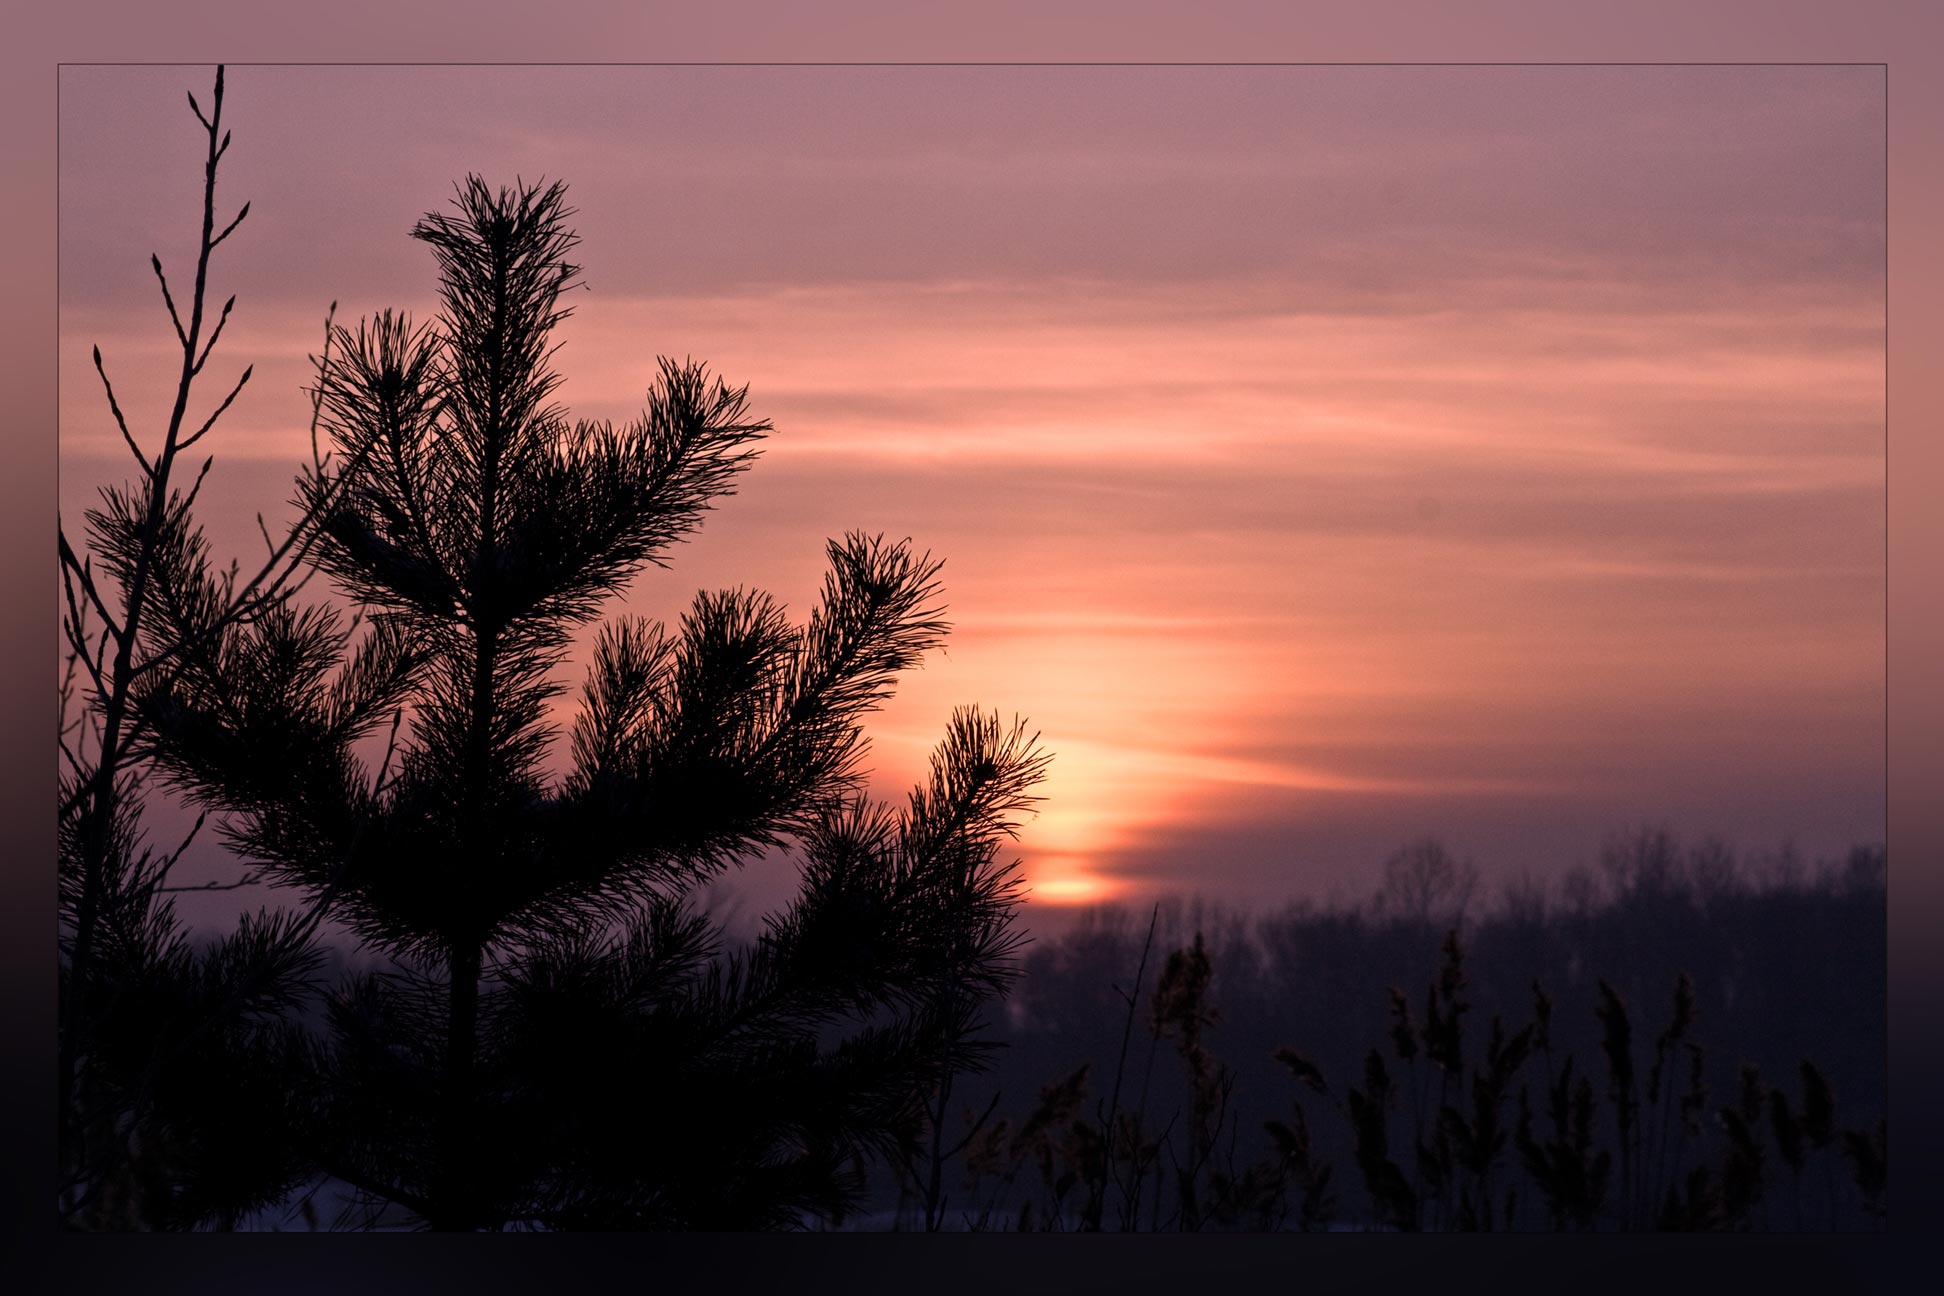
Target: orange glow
x=1311, y=476
x=1059, y=880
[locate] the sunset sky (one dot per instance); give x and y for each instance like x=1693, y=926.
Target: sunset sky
x=1322, y=457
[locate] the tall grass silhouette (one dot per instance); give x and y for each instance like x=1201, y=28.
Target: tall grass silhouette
x=1564, y=1108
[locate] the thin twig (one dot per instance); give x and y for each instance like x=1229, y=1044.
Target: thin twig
x=170, y=861
x=239, y=216
x=247, y=880
x=977, y=1125
x=210, y=422
x=322, y=362
x=167, y=300
x=83, y=570
x=1097, y=1197
x=215, y=333
x=148, y=469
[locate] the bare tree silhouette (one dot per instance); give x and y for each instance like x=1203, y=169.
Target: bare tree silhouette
x=1425, y=884
x=170, y=1055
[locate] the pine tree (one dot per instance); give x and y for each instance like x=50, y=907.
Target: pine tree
x=557, y=1034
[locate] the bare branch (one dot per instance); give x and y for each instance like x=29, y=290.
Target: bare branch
x=168, y=300
x=120, y=422
x=247, y=880
x=83, y=569
x=239, y=216
x=66, y=692
x=973, y=1133
x=214, y=334
x=210, y=422
x=196, y=487
x=76, y=656
x=323, y=362
x=391, y=747
x=71, y=626
x=270, y=585
x=169, y=862
x=72, y=757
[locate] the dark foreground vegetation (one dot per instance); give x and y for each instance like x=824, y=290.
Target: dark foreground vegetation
x=1687, y=1042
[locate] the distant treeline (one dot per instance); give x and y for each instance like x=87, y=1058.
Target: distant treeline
x=1681, y=1040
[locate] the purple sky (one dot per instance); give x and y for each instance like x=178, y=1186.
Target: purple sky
x=1322, y=456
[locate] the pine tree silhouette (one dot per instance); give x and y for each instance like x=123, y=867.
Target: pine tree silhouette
x=560, y=1037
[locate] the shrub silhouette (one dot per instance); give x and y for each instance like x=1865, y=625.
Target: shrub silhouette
x=560, y=1038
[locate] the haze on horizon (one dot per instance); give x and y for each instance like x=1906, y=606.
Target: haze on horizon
x=1323, y=457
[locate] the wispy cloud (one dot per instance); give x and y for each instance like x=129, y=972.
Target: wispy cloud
x=1321, y=456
